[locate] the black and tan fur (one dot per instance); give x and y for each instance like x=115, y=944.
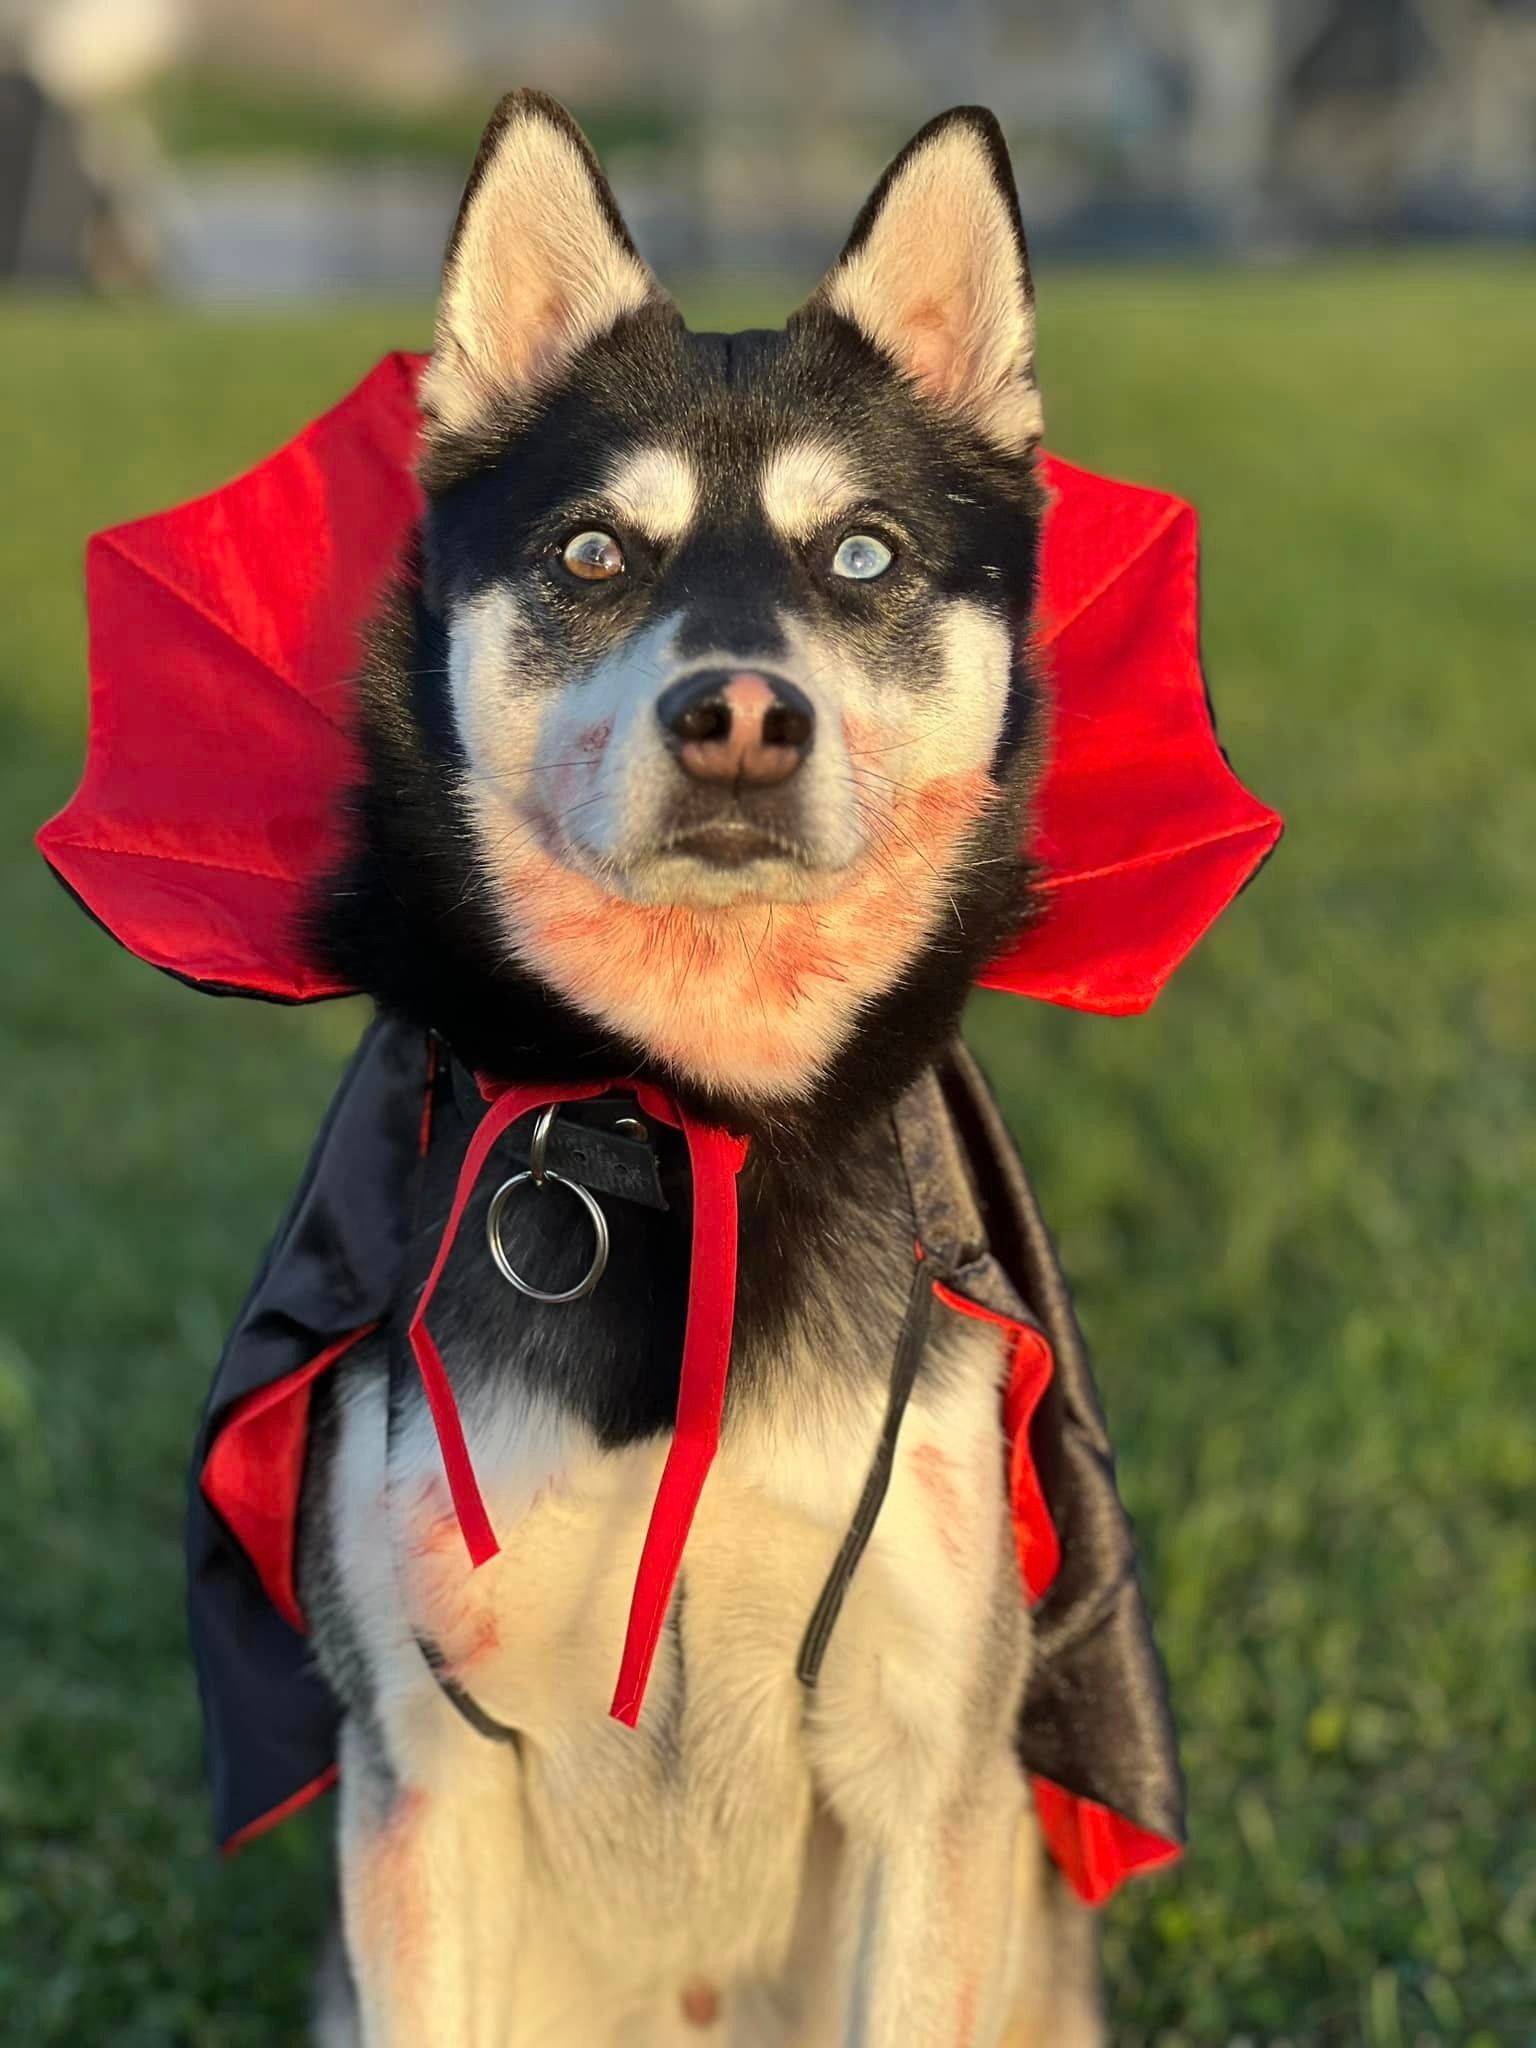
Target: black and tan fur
x=534, y=877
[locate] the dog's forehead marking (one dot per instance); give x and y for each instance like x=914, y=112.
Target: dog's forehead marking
x=655, y=489
x=806, y=484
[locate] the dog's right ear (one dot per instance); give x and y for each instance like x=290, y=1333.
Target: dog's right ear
x=539, y=264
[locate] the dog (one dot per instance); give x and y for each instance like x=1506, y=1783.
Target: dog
x=697, y=745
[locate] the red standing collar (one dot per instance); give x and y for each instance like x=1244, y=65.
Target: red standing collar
x=225, y=636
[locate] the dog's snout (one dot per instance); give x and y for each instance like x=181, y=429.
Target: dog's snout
x=737, y=725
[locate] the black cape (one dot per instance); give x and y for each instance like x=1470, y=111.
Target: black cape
x=1094, y=1735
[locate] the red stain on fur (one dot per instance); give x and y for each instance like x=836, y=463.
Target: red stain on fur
x=958, y=1884
x=934, y=1472
x=965, y=2032
x=441, y=1534
x=391, y=1888
x=464, y=1623
x=937, y=812
x=750, y=989
x=593, y=738
x=483, y=1639
x=700, y=2003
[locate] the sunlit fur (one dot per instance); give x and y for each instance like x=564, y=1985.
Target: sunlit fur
x=535, y=271
x=654, y=489
x=936, y=282
x=807, y=484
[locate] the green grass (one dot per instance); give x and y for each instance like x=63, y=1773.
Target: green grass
x=1297, y=1200
x=226, y=115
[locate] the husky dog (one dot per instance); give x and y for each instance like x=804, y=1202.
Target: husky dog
x=697, y=745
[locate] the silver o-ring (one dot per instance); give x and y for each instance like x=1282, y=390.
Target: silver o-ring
x=504, y=1265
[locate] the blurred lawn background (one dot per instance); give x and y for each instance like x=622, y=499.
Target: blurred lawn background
x=1297, y=1201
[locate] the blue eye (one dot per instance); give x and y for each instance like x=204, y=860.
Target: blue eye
x=861, y=558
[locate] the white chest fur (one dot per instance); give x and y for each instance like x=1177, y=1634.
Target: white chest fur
x=683, y=1847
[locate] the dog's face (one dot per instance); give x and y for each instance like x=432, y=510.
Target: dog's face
x=736, y=625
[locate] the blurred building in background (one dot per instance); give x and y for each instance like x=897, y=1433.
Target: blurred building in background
x=273, y=147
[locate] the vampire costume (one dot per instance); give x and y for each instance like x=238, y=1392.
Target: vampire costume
x=224, y=636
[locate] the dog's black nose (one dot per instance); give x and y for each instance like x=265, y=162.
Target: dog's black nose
x=737, y=725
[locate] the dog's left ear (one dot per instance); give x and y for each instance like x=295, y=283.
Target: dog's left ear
x=936, y=274
x=539, y=265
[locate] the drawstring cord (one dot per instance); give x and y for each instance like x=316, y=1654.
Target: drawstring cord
x=716, y=1157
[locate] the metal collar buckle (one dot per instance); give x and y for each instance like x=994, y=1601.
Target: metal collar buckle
x=540, y=1174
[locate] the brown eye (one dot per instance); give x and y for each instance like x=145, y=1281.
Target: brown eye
x=594, y=556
